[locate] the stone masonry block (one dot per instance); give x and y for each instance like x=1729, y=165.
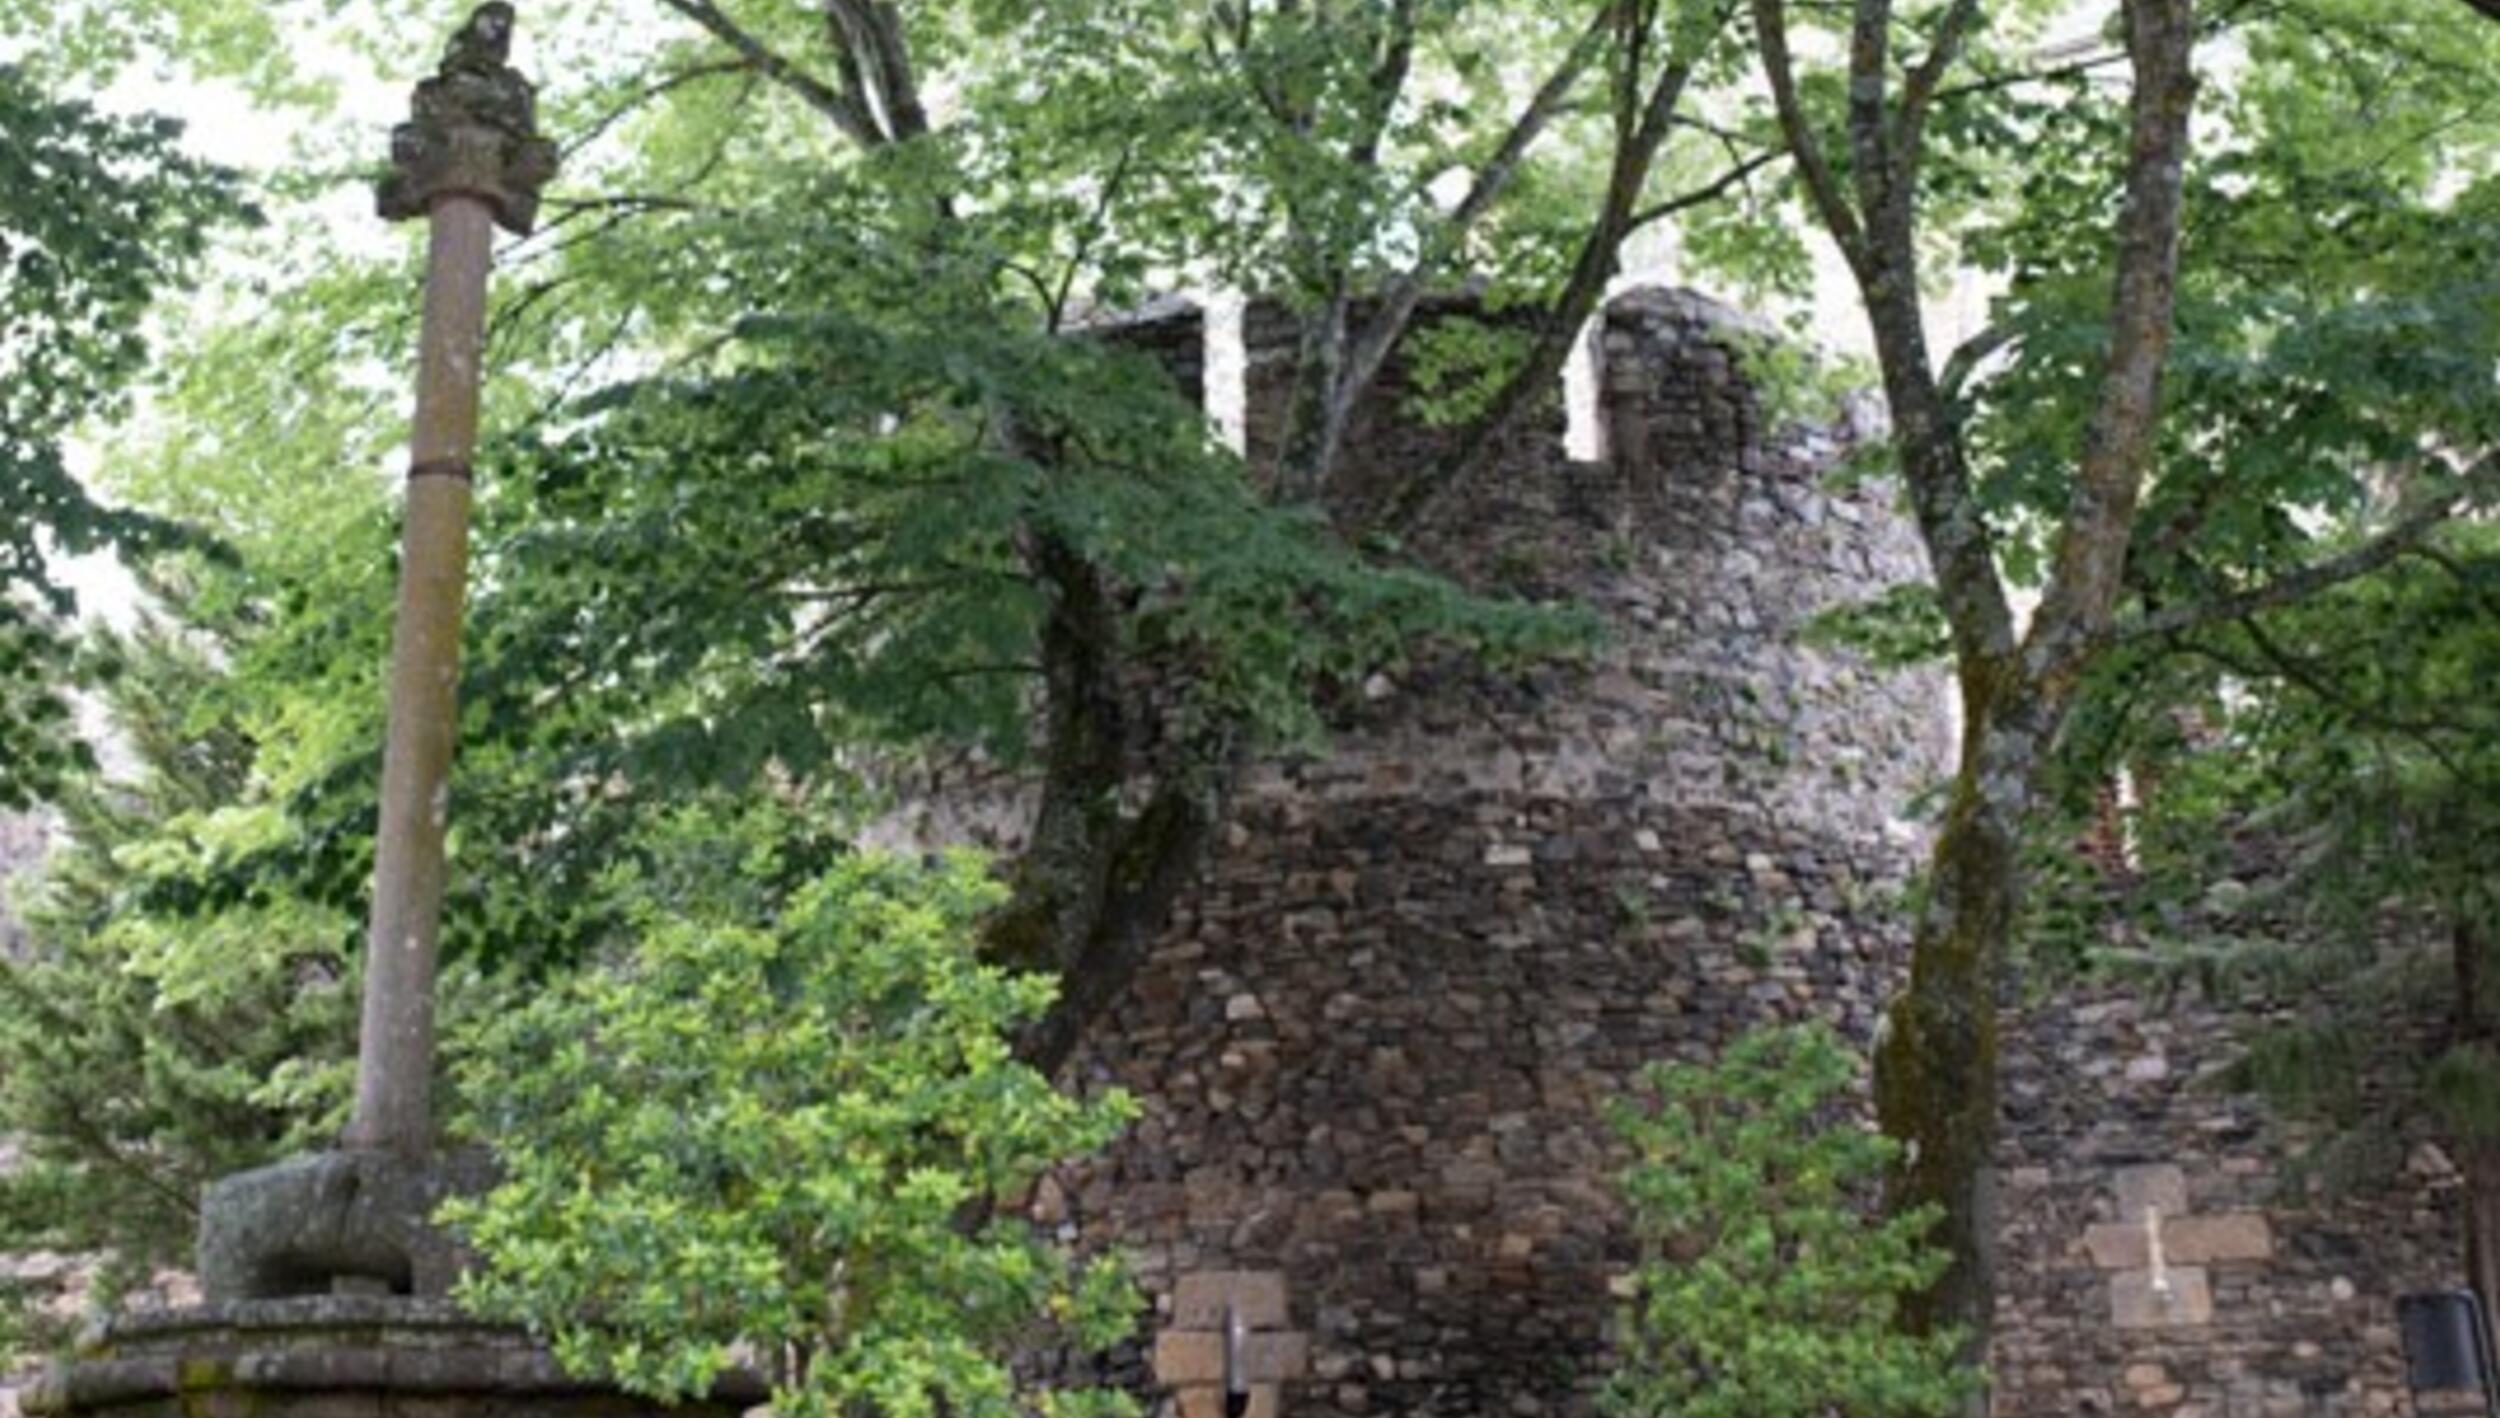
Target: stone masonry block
x=2162, y=1185
x=1196, y=1356
x=2117, y=1245
x=2134, y=1305
x=2211, y=1240
x=1189, y=1356
x=1259, y=1295
x=2241, y=1236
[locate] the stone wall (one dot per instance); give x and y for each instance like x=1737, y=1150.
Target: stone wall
x=1373, y=1047
x=2280, y=1290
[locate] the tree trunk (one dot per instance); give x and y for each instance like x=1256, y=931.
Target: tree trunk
x=2478, y=1029
x=1096, y=883
x=1316, y=417
x=1936, y=1062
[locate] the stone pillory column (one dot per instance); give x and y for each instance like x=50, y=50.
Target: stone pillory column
x=326, y=1285
x=470, y=158
x=356, y=1220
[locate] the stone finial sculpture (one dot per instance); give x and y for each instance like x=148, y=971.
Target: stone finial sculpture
x=473, y=129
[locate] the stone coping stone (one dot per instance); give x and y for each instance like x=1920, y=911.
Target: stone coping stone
x=305, y=1319
x=325, y=1344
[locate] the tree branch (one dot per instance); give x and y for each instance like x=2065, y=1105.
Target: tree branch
x=1641, y=130
x=1708, y=192
x=1369, y=347
x=1870, y=136
x=1990, y=83
x=2283, y=665
x=661, y=87
x=2479, y=587
x=1491, y=179
x=1918, y=93
x=870, y=35
x=1388, y=82
x=1964, y=361
x=1770, y=21
x=860, y=127
x=2293, y=586
x=2094, y=537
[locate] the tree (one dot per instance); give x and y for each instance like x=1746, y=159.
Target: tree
x=146, y=1051
x=98, y=215
x=2060, y=446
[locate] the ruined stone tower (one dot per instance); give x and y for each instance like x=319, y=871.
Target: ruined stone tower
x=1373, y=1046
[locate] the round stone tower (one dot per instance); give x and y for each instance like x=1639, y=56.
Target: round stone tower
x=1373, y=1047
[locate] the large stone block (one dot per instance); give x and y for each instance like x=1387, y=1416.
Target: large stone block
x=2134, y=1302
x=2159, y=1185
x=1196, y=1356
x=1257, y=1296
x=2116, y=1245
x=2218, y=1240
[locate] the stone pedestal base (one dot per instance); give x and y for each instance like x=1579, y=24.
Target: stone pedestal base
x=334, y=1356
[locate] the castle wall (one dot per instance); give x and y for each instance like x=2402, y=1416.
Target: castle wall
x=2282, y=1291
x=1373, y=1047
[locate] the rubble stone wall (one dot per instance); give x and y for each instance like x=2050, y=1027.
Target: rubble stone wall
x=1373, y=1048
x=2278, y=1293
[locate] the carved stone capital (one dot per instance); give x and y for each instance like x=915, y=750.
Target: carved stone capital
x=472, y=131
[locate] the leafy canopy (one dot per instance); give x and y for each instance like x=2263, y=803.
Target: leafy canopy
x=98, y=215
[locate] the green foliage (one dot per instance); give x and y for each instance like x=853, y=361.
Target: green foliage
x=37, y=726
x=766, y=1141
x=2320, y=804
x=1766, y=1289
x=1457, y=366
x=1901, y=626
x=2330, y=322
x=97, y=215
x=143, y=1050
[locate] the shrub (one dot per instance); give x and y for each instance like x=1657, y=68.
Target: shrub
x=772, y=1145
x=1766, y=1290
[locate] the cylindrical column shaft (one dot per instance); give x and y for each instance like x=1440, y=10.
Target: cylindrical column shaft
x=395, y=1050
